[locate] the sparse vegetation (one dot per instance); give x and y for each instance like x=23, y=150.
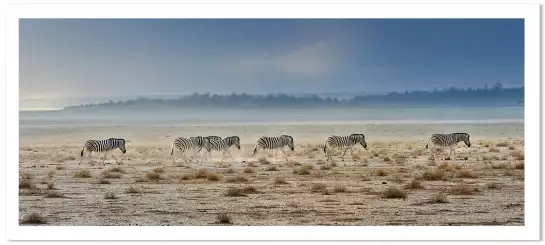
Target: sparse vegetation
x=325, y=167
x=201, y=173
x=263, y=161
x=303, y=170
x=502, y=144
x=317, y=187
x=248, y=170
x=212, y=176
x=103, y=181
x=153, y=176
x=158, y=170
x=110, y=175
x=432, y=175
x=50, y=185
x=54, y=195
x=240, y=191
x=493, y=149
x=117, y=170
x=84, y=173
x=493, y=185
x=236, y=179
x=394, y=192
x=109, y=195
x=33, y=218
x=466, y=173
x=381, y=172
x=279, y=180
x=224, y=218
x=519, y=165
x=439, y=198
x=414, y=184
x=133, y=190
x=463, y=189
x=500, y=166
x=271, y=168
x=339, y=188
x=26, y=184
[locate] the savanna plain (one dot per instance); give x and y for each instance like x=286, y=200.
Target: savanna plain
x=393, y=182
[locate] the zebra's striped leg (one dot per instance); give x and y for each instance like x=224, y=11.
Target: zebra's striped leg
x=114, y=158
x=89, y=155
x=344, y=153
x=104, y=158
x=229, y=155
x=285, y=155
x=351, y=153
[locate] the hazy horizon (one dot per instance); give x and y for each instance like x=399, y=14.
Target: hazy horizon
x=113, y=58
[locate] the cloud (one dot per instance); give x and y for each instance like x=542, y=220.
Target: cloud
x=313, y=59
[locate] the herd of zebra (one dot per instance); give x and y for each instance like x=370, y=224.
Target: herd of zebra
x=216, y=143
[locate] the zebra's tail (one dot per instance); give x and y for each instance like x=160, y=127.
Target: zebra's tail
x=325, y=147
x=81, y=154
x=255, y=149
x=172, y=149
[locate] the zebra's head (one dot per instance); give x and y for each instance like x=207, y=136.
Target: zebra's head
x=464, y=137
x=235, y=141
x=289, y=141
x=360, y=138
x=122, y=146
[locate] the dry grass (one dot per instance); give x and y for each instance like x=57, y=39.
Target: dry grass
x=394, y=192
x=502, y=144
x=84, y=173
x=279, y=180
x=117, y=170
x=153, y=176
x=317, y=187
x=381, y=172
x=432, y=175
x=414, y=184
x=518, y=155
x=224, y=218
x=264, y=161
x=339, y=188
x=51, y=173
x=463, y=189
x=132, y=190
x=187, y=176
x=397, y=179
x=271, y=168
x=26, y=184
x=326, y=167
x=500, y=166
x=236, y=179
x=519, y=165
x=493, y=149
x=158, y=170
x=493, y=185
x=303, y=170
x=201, y=173
x=109, y=195
x=248, y=170
x=50, y=185
x=439, y=198
x=387, y=159
x=466, y=173
x=240, y=191
x=110, y=175
x=103, y=181
x=212, y=176
x=33, y=218
x=54, y=194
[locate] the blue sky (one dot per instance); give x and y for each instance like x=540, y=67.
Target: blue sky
x=67, y=58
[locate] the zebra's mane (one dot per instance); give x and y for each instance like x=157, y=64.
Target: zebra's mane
x=465, y=134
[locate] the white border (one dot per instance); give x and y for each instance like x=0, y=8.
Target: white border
x=530, y=12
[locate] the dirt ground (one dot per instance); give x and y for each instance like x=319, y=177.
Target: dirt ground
x=393, y=182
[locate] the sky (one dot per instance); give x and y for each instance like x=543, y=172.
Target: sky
x=80, y=58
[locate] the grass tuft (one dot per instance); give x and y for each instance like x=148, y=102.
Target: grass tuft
x=439, y=198
x=201, y=173
x=109, y=195
x=132, y=190
x=317, y=187
x=153, y=176
x=249, y=170
x=263, y=161
x=414, y=184
x=187, y=176
x=33, y=218
x=381, y=172
x=103, y=181
x=339, y=188
x=224, y=218
x=303, y=170
x=432, y=175
x=236, y=179
x=26, y=184
x=84, y=173
x=279, y=180
x=54, y=195
x=463, y=189
x=271, y=168
x=394, y=192
x=212, y=176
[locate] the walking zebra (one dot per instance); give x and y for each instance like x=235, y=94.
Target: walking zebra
x=184, y=144
x=274, y=143
x=450, y=140
x=344, y=141
x=209, y=138
x=102, y=146
x=221, y=145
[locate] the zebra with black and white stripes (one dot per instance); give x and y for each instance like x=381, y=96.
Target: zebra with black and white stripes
x=274, y=143
x=448, y=140
x=346, y=142
x=221, y=145
x=105, y=146
x=184, y=144
x=209, y=138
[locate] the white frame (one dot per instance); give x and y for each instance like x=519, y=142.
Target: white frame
x=530, y=12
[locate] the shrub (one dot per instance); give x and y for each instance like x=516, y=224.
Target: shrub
x=280, y=180
x=110, y=175
x=387, y=159
x=109, y=195
x=439, y=198
x=519, y=165
x=302, y=170
x=84, y=173
x=224, y=218
x=414, y=184
x=493, y=185
x=117, y=170
x=187, y=176
x=54, y=195
x=463, y=189
x=202, y=173
x=158, y=170
x=465, y=174
x=381, y=172
x=234, y=192
x=339, y=188
x=26, y=184
x=103, y=181
x=237, y=179
x=500, y=166
x=317, y=187
x=263, y=161
x=325, y=167
x=50, y=185
x=153, y=175
x=271, y=168
x=213, y=176
x=133, y=190
x=33, y=218
x=393, y=192
x=248, y=170
x=432, y=175
x=518, y=155
x=502, y=144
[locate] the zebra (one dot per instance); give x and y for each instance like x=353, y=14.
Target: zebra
x=184, y=144
x=209, y=138
x=344, y=141
x=274, y=143
x=450, y=140
x=102, y=146
x=221, y=145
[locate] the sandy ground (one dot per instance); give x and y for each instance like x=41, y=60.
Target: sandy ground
x=393, y=182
